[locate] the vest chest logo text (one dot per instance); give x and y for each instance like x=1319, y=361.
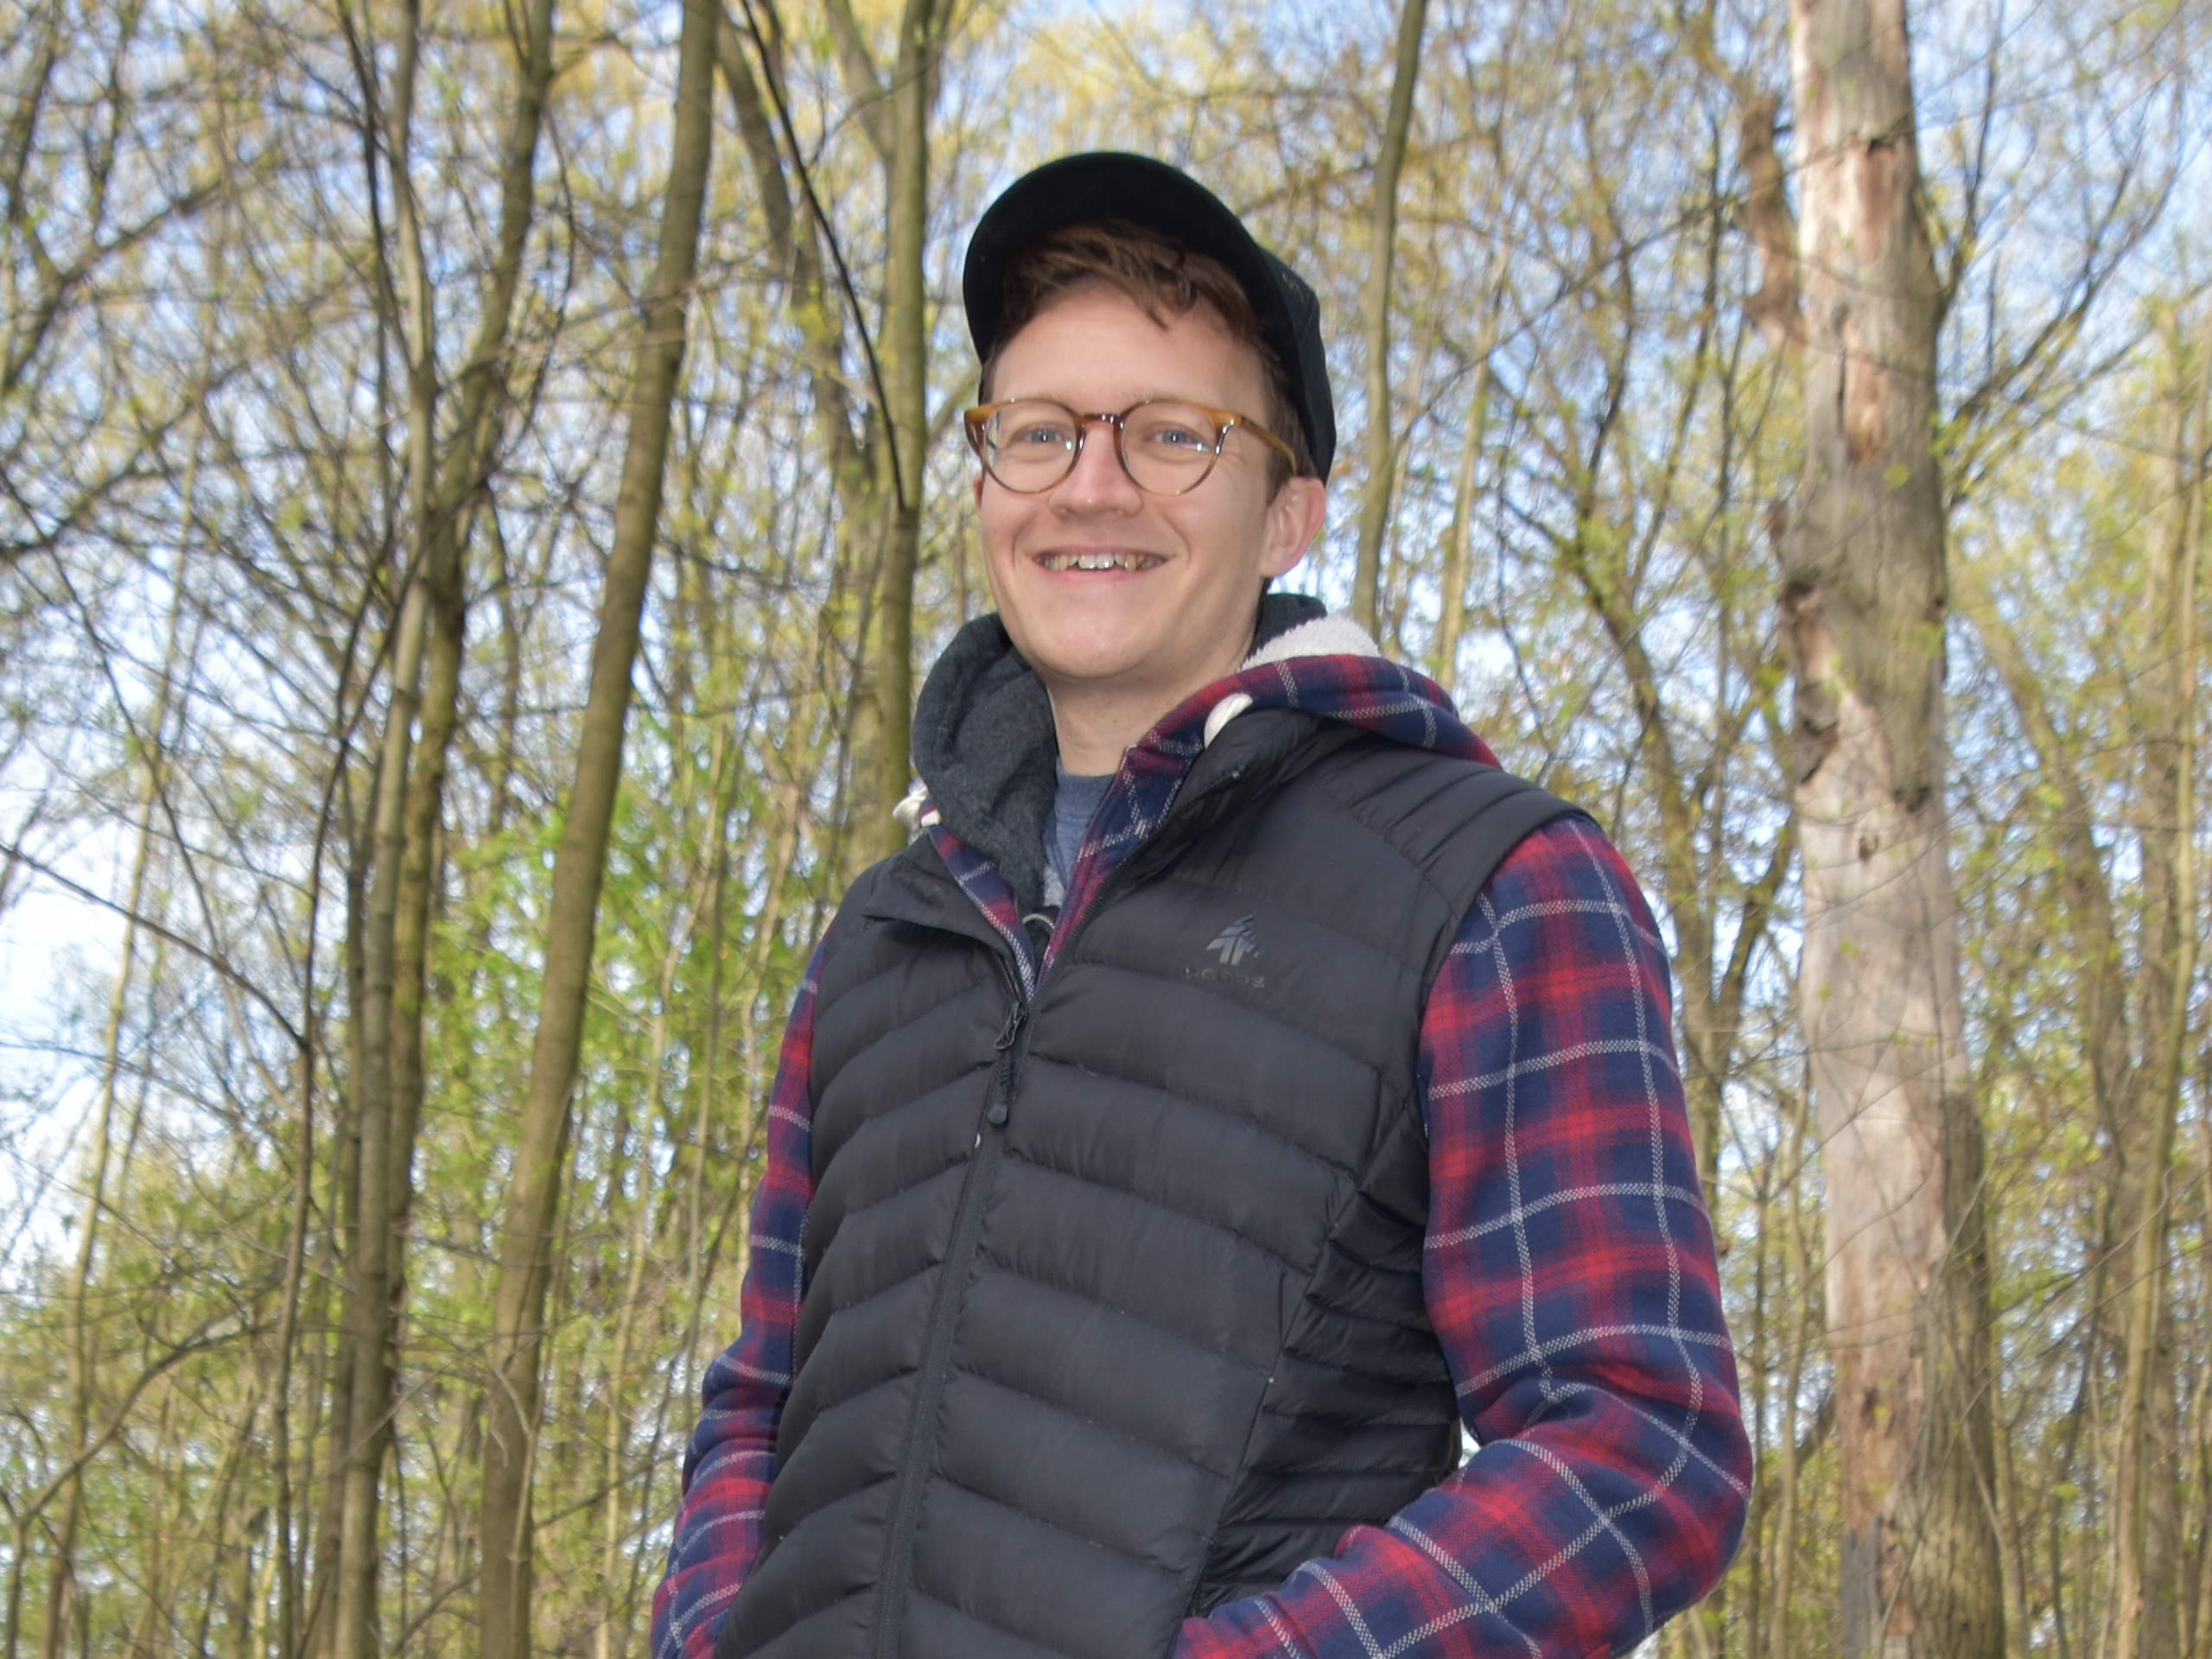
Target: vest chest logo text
x=1232, y=945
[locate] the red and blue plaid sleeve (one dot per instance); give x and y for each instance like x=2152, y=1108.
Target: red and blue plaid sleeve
x=733, y=1454
x=1571, y=1277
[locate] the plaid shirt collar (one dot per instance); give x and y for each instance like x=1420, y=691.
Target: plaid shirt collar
x=1370, y=692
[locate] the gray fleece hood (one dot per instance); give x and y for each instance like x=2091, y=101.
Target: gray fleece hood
x=984, y=743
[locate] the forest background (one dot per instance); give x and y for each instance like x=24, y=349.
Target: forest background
x=388, y=991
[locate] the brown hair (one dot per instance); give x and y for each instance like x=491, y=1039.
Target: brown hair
x=1163, y=277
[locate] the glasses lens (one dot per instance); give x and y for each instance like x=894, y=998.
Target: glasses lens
x=1030, y=446
x=1169, y=446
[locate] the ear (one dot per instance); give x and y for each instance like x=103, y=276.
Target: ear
x=1294, y=518
x=979, y=484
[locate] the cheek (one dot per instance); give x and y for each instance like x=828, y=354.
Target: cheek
x=998, y=520
x=1237, y=536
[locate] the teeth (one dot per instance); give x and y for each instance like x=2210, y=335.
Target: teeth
x=1101, y=562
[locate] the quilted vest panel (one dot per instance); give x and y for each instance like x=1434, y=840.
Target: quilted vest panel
x=1113, y=1306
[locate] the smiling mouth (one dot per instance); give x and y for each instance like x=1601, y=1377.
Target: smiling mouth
x=1119, y=559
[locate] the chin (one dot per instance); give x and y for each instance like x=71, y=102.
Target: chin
x=1081, y=653
x=1086, y=668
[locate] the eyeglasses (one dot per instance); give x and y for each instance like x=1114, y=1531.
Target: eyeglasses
x=1165, y=446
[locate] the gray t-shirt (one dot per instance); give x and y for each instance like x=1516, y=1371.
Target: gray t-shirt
x=1076, y=800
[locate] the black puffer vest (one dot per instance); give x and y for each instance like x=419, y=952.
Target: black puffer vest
x=1113, y=1307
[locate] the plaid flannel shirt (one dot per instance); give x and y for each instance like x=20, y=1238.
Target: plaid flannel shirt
x=1569, y=1266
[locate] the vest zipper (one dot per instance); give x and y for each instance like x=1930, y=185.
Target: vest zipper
x=959, y=1256
x=944, y=1315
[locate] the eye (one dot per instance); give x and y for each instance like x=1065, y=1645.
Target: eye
x=1172, y=429
x=1029, y=427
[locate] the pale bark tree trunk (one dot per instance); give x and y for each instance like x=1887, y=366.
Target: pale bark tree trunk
x=1375, y=303
x=1878, y=986
x=530, y=1222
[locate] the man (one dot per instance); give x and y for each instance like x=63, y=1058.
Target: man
x=1237, y=1088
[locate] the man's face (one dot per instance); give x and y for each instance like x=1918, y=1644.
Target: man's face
x=1108, y=592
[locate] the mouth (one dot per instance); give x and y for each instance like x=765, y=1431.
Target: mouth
x=1118, y=558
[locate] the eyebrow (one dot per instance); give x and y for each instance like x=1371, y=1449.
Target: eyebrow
x=1156, y=395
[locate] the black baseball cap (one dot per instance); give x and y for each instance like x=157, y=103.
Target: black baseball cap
x=1106, y=184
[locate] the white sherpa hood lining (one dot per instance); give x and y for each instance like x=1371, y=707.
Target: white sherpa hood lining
x=1325, y=636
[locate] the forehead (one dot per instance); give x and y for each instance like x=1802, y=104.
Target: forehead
x=1094, y=341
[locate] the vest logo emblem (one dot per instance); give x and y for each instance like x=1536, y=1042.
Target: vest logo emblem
x=1236, y=942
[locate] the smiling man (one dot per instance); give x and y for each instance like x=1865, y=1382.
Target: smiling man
x=1239, y=1097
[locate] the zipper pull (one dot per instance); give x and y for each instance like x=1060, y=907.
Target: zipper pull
x=1002, y=1091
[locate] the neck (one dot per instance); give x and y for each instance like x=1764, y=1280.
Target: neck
x=1096, y=729
x=1096, y=724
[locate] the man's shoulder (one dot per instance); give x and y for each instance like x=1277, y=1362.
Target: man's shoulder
x=911, y=883
x=933, y=892
x=1455, y=819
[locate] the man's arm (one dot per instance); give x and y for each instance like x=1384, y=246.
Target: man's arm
x=733, y=1454
x=1570, y=1274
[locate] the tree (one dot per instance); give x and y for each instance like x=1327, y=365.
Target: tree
x=408, y=796
x=2127, y=739
x=1865, y=597
x=1381, y=255
x=528, y=1225
x=894, y=112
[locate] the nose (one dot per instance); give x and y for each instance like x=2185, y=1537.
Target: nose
x=1097, y=482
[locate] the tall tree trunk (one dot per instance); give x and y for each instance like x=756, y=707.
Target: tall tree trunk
x=345, y=1201
x=83, y=1357
x=898, y=126
x=1375, y=303
x=1865, y=601
x=2145, y=1618
x=530, y=1221
x=368, y=1301
x=878, y=479
x=1460, y=538
x=410, y=794
x=368, y=1305
x=1799, y=1300
x=281, y=1561
x=615, y=1612
x=2197, y=1612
